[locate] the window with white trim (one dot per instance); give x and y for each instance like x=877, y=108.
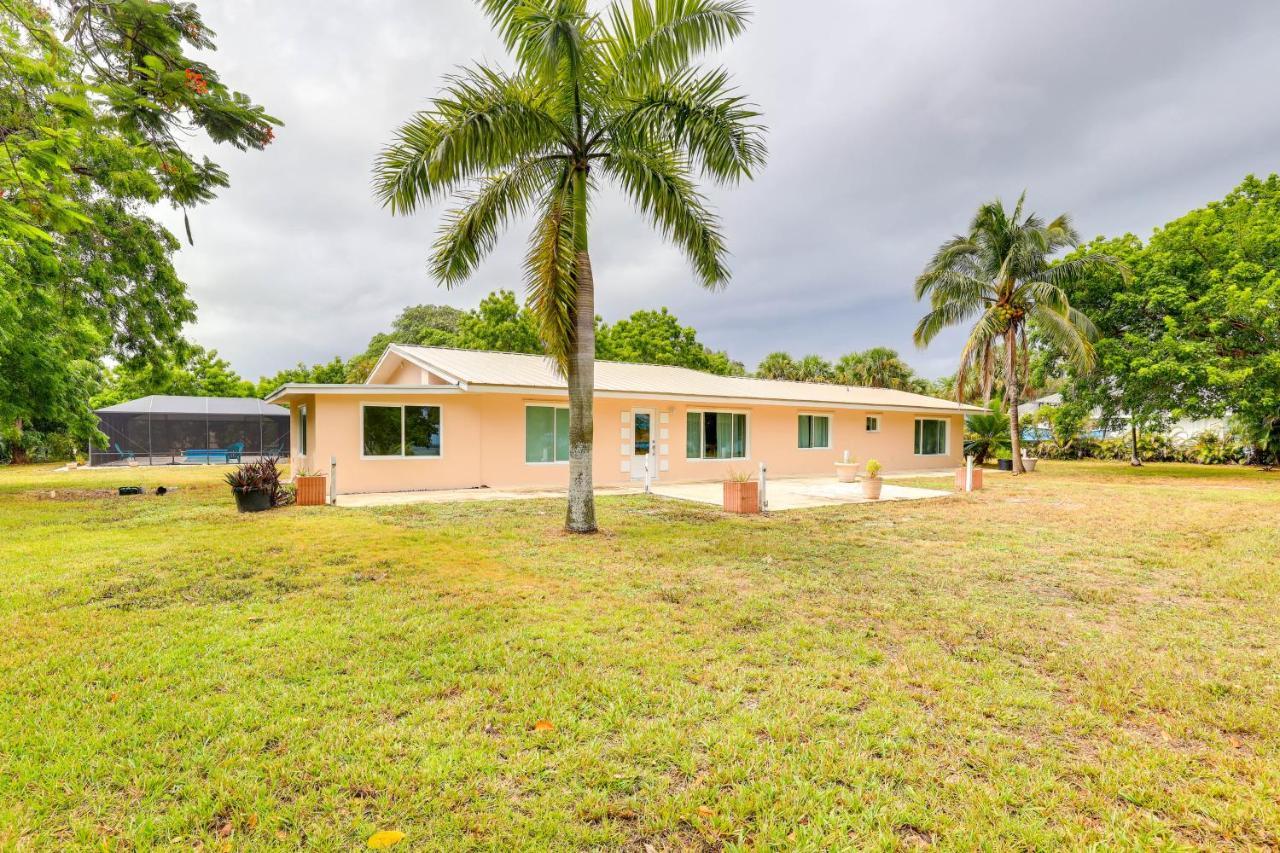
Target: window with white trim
x=715, y=435
x=931, y=437
x=399, y=432
x=546, y=434
x=873, y=423
x=815, y=432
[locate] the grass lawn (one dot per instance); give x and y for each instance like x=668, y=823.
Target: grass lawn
x=1086, y=655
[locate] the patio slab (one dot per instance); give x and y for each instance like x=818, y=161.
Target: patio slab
x=784, y=493
x=798, y=493
x=441, y=496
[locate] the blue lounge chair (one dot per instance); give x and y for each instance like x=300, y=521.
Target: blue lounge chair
x=123, y=454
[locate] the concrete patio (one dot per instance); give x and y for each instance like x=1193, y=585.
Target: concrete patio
x=798, y=493
x=783, y=493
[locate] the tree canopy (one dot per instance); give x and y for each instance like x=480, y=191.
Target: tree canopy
x=656, y=337
x=97, y=101
x=1196, y=331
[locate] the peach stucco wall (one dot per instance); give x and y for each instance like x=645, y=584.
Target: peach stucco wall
x=482, y=442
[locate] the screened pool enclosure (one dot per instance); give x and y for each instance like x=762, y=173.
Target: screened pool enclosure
x=162, y=430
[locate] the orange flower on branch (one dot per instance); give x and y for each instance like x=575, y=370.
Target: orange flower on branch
x=196, y=82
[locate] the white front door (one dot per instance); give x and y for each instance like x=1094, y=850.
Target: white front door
x=644, y=445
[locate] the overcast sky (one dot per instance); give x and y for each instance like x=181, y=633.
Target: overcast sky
x=889, y=122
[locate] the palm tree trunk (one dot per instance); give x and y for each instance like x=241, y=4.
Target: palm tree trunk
x=1134, y=459
x=581, y=514
x=1011, y=391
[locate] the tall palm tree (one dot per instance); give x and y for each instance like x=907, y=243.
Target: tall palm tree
x=612, y=95
x=1002, y=277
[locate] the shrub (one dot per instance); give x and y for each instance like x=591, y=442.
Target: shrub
x=38, y=446
x=987, y=434
x=873, y=468
x=1209, y=448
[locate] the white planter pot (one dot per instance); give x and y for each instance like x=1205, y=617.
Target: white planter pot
x=847, y=472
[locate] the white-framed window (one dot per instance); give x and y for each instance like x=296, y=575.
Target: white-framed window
x=931, y=436
x=302, y=430
x=716, y=435
x=546, y=434
x=814, y=432
x=873, y=423
x=399, y=431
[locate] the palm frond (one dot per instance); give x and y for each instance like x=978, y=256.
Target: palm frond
x=470, y=232
x=649, y=39
x=699, y=114
x=1069, y=331
x=549, y=272
x=485, y=120
x=659, y=184
x=942, y=316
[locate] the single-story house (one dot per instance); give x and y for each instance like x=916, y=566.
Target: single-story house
x=439, y=418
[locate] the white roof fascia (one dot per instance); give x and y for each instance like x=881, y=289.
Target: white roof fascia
x=348, y=390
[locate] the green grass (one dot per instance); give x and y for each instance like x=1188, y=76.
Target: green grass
x=1087, y=655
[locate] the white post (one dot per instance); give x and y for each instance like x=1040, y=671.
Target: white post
x=968, y=473
x=648, y=473
x=333, y=480
x=764, y=496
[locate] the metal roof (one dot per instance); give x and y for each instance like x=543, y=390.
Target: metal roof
x=163, y=404
x=503, y=369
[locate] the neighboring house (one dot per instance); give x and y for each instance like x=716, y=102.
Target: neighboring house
x=1180, y=430
x=437, y=418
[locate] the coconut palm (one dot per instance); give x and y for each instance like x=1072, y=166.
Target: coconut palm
x=1001, y=277
x=593, y=96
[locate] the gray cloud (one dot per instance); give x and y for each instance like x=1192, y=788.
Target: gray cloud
x=889, y=123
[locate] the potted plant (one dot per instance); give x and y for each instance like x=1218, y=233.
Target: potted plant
x=847, y=469
x=310, y=487
x=1004, y=460
x=1028, y=462
x=871, y=483
x=256, y=485
x=741, y=493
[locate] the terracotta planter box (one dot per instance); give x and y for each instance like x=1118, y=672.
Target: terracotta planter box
x=311, y=490
x=977, y=479
x=742, y=498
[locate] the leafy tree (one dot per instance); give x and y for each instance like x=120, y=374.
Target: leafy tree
x=1066, y=423
x=1001, y=277
x=500, y=324
x=594, y=96
x=777, y=365
x=335, y=372
x=94, y=98
x=189, y=370
x=1196, y=331
x=656, y=337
